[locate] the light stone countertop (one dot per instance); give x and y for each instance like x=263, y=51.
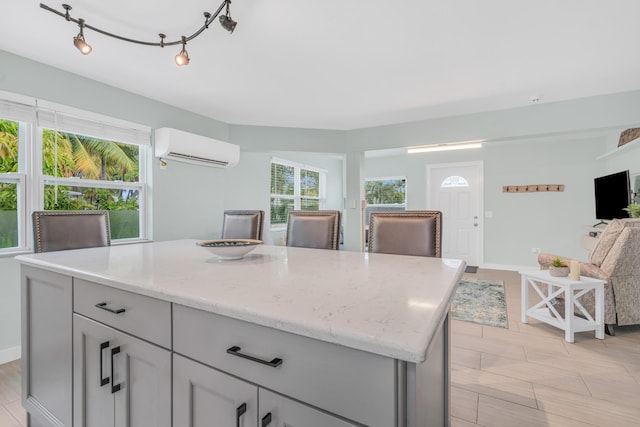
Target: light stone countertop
x=390, y=305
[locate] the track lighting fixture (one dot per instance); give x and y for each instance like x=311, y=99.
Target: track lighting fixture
x=181, y=59
x=78, y=41
x=226, y=21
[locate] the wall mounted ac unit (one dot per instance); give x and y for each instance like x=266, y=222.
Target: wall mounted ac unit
x=173, y=144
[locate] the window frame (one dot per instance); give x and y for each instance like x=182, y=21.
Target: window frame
x=30, y=178
x=297, y=196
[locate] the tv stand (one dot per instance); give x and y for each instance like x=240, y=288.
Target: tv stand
x=598, y=223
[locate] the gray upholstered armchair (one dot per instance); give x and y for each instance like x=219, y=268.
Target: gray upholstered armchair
x=616, y=259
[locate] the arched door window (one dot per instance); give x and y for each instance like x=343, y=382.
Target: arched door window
x=454, y=181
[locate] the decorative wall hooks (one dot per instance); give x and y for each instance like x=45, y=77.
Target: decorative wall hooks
x=532, y=188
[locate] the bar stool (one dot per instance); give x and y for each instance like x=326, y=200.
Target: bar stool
x=243, y=224
x=63, y=230
x=406, y=233
x=314, y=229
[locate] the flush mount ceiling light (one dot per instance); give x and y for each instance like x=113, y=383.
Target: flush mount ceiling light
x=446, y=147
x=182, y=58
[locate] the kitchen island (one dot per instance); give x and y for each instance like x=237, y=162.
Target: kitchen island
x=166, y=333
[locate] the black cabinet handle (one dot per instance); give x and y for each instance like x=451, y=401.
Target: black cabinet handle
x=235, y=351
x=114, y=387
x=266, y=420
x=240, y=412
x=103, y=306
x=103, y=381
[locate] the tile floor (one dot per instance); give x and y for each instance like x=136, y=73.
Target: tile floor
x=528, y=375
x=524, y=376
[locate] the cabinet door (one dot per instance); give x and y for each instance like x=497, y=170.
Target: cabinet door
x=143, y=373
x=205, y=397
x=278, y=411
x=92, y=398
x=119, y=380
x=46, y=346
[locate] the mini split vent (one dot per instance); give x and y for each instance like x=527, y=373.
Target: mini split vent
x=173, y=144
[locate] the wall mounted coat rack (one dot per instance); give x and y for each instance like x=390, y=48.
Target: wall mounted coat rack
x=531, y=188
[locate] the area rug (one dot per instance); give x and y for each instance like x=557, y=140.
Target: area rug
x=480, y=301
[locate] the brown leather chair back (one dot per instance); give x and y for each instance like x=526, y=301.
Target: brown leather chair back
x=314, y=229
x=63, y=230
x=406, y=233
x=246, y=224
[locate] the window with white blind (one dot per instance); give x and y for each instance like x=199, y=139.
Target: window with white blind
x=295, y=186
x=66, y=161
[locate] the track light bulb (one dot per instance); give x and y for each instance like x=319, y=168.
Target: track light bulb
x=78, y=41
x=182, y=58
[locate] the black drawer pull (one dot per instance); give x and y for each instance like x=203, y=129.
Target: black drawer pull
x=235, y=351
x=103, y=381
x=240, y=410
x=114, y=387
x=103, y=305
x=266, y=420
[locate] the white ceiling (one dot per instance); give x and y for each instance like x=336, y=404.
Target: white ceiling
x=345, y=64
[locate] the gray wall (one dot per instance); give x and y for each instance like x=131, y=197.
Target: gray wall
x=188, y=200
x=551, y=221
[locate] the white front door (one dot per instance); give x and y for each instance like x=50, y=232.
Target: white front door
x=456, y=190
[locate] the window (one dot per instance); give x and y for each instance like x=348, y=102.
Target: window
x=85, y=173
x=385, y=194
x=11, y=184
x=454, y=181
x=295, y=187
x=69, y=160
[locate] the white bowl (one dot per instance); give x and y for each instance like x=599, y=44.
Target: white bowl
x=228, y=249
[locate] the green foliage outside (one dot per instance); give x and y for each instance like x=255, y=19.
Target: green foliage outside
x=70, y=155
x=387, y=191
x=283, y=184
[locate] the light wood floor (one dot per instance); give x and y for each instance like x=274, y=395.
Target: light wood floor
x=523, y=376
x=11, y=412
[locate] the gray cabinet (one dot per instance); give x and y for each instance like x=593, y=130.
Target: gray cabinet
x=350, y=383
x=279, y=411
x=46, y=346
x=203, y=397
x=119, y=380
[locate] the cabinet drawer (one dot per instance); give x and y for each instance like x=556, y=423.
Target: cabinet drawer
x=139, y=315
x=351, y=383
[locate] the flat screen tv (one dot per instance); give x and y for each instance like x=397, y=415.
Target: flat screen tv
x=613, y=194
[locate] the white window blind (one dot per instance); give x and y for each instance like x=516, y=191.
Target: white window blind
x=16, y=111
x=295, y=186
x=65, y=122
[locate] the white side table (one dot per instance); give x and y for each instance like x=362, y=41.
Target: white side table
x=572, y=290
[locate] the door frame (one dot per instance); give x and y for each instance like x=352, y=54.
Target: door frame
x=480, y=165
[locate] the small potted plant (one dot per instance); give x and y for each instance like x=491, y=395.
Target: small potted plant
x=634, y=210
x=558, y=268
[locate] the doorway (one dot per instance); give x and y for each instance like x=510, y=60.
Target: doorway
x=456, y=189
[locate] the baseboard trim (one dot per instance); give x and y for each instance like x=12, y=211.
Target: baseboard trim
x=10, y=354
